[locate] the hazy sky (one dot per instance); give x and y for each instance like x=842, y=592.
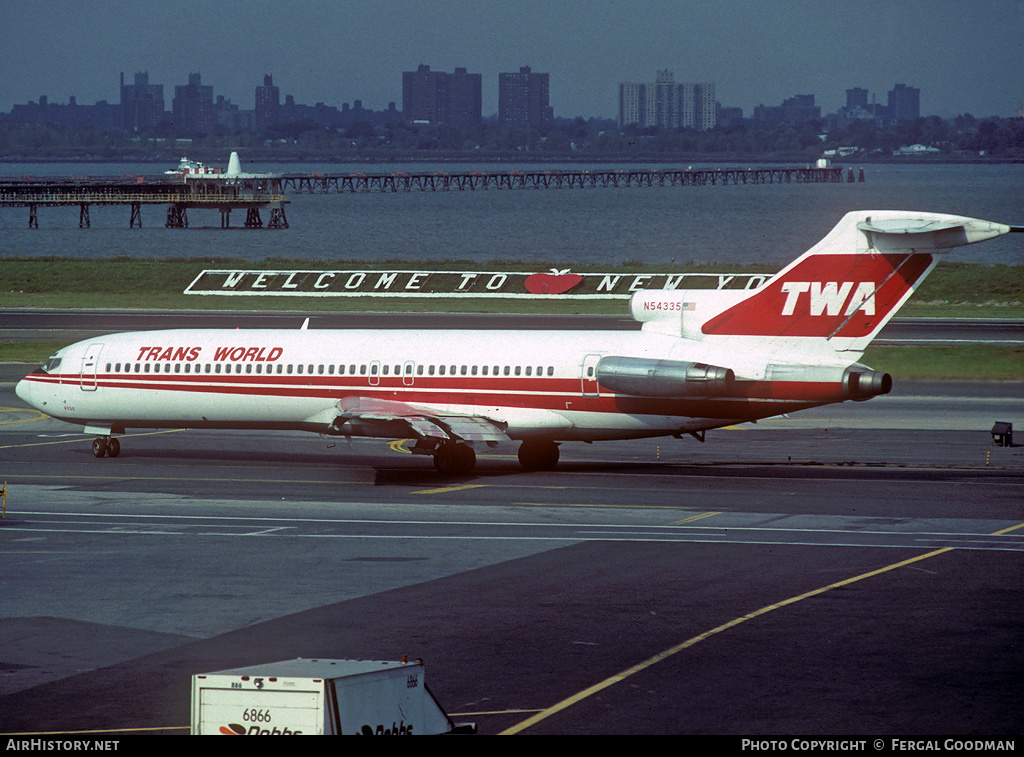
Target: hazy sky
x=966, y=56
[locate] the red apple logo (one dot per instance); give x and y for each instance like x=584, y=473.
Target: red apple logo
x=556, y=282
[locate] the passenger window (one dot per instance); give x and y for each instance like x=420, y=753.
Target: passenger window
x=441, y=369
x=519, y=370
x=529, y=370
x=385, y=369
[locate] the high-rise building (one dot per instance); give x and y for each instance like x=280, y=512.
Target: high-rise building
x=856, y=97
x=142, y=103
x=465, y=98
x=523, y=99
x=635, y=107
x=664, y=103
x=438, y=97
x=796, y=110
x=192, y=106
x=904, y=103
x=268, y=101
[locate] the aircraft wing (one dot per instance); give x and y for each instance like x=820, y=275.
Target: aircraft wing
x=368, y=416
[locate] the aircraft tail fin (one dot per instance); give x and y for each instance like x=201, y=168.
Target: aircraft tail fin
x=846, y=287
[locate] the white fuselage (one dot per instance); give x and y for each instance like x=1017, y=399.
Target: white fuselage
x=535, y=383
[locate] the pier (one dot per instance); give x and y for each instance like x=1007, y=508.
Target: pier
x=434, y=181
x=255, y=193
x=178, y=193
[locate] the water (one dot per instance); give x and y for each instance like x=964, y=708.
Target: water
x=764, y=225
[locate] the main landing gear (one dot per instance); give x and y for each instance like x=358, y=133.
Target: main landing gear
x=538, y=454
x=457, y=458
x=454, y=458
x=106, y=445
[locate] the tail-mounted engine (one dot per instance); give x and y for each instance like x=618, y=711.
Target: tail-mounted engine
x=663, y=378
x=862, y=383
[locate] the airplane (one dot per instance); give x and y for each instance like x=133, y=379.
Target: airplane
x=702, y=359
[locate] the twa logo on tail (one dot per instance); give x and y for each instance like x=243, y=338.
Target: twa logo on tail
x=830, y=297
x=823, y=295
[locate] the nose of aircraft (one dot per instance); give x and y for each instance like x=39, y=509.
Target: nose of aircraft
x=24, y=391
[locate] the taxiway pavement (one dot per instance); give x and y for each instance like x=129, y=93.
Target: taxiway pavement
x=848, y=570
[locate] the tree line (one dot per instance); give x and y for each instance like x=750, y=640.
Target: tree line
x=964, y=137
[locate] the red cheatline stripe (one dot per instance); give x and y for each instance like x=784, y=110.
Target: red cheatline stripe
x=551, y=394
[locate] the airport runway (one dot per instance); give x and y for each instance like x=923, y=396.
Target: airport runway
x=850, y=570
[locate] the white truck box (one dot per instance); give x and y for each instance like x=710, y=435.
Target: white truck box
x=317, y=697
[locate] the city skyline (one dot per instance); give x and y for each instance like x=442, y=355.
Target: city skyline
x=334, y=53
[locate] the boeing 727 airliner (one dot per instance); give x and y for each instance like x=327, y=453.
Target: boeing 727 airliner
x=703, y=359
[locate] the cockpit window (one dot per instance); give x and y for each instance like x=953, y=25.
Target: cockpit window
x=51, y=365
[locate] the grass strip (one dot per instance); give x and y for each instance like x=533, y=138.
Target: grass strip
x=953, y=290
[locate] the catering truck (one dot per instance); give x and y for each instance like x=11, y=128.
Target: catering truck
x=319, y=697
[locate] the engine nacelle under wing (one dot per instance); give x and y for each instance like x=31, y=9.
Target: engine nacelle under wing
x=641, y=377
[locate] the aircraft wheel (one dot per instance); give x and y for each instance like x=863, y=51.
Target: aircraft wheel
x=113, y=447
x=454, y=458
x=538, y=455
x=99, y=446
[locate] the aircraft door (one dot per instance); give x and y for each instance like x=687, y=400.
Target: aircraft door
x=408, y=373
x=90, y=366
x=375, y=373
x=588, y=377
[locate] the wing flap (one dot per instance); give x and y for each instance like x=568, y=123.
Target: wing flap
x=369, y=416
